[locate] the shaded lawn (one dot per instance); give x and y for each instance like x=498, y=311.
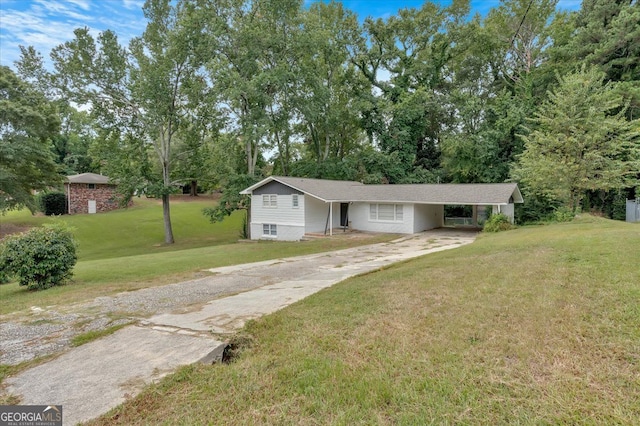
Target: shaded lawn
x=537, y=325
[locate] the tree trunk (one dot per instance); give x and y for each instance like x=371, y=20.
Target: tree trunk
x=327, y=143
x=193, y=192
x=166, y=213
x=248, y=151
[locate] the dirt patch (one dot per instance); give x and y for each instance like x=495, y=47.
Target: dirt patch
x=201, y=197
x=186, y=198
x=10, y=228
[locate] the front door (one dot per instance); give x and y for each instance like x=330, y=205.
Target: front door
x=344, y=214
x=92, y=206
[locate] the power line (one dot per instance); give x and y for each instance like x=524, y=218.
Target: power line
x=513, y=39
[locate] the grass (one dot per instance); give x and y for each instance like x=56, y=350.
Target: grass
x=89, y=336
x=539, y=325
x=120, y=251
x=11, y=370
x=139, y=229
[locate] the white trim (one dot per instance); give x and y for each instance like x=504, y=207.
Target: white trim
x=271, y=227
x=271, y=201
x=300, y=225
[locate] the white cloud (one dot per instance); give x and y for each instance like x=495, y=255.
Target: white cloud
x=133, y=4
x=82, y=4
x=57, y=8
x=44, y=24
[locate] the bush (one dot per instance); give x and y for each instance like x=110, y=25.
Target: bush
x=53, y=203
x=5, y=278
x=563, y=214
x=40, y=258
x=497, y=222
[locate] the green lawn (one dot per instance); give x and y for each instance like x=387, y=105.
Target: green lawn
x=139, y=229
x=123, y=251
x=540, y=325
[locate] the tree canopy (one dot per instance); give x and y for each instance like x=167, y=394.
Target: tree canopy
x=581, y=142
x=213, y=93
x=28, y=123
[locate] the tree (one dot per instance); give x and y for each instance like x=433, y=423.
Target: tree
x=232, y=200
x=518, y=29
x=607, y=34
x=140, y=95
x=249, y=47
x=72, y=144
x=28, y=121
x=415, y=50
x=581, y=142
x=325, y=93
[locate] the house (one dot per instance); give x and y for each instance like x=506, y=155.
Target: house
x=287, y=208
x=90, y=193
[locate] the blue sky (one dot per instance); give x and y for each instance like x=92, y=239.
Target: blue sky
x=45, y=24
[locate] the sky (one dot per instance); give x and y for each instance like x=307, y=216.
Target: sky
x=44, y=24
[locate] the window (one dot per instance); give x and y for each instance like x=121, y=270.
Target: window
x=386, y=212
x=270, y=229
x=294, y=201
x=270, y=200
x=91, y=185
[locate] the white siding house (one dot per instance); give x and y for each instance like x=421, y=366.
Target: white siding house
x=287, y=208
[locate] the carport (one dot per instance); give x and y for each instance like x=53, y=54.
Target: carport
x=428, y=202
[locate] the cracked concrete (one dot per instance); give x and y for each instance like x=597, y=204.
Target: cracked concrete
x=91, y=379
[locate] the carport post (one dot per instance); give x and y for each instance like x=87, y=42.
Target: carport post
x=331, y=219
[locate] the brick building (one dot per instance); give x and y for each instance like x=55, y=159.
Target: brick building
x=90, y=193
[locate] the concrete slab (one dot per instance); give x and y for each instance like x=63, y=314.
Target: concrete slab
x=231, y=313
x=90, y=380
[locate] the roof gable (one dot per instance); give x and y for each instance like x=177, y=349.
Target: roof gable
x=89, y=178
x=323, y=189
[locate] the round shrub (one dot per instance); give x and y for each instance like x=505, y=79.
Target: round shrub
x=53, y=203
x=497, y=222
x=40, y=258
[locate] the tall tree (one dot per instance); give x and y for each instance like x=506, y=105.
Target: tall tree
x=326, y=81
x=581, y=142
x=414, y=50
x=249, y=43
x=498, y=83
x=71, y=146
x=607, y=34
x=519, y=29
x=138, y=92
x=28, y=121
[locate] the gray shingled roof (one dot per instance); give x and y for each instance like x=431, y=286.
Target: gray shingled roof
x=88, y=178
x=323, y=189
x=345, y=191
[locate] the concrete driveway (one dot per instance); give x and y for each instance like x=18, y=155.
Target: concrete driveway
x=91, y=379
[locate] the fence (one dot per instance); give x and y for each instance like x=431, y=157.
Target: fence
x=633, y=210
